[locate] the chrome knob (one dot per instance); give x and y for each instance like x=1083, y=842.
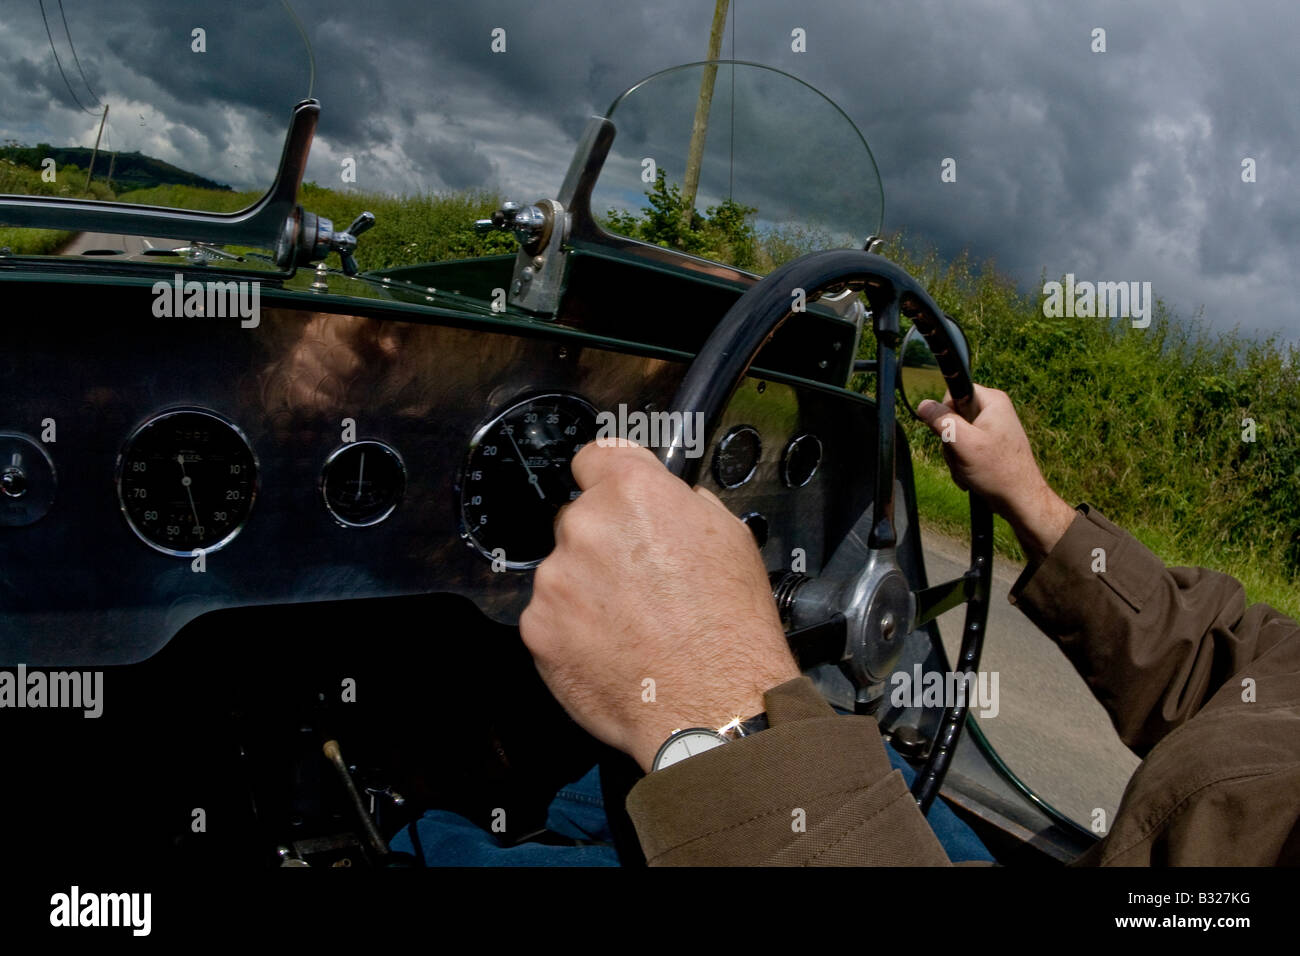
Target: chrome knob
x=13, y=482
x=529, y=223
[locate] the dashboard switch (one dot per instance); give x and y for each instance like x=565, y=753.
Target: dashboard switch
x=27, y=481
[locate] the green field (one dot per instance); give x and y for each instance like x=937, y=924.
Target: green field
x=27, y=181
x=408, y=229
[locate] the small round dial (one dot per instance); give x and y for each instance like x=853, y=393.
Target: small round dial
x=737, y=456
x=186, y=479
x=517, y=476
x=801, y=459
x=362, y=482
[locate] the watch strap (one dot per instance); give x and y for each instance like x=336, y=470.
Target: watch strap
x=739, y=729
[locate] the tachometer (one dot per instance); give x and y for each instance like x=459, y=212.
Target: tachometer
x=186, y=479
x=517, y=476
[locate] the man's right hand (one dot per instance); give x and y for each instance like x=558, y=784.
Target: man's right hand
x=991, y=456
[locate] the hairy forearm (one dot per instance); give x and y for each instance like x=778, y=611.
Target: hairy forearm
x=1039, y=520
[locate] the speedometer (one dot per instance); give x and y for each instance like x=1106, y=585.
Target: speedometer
x=517, y=476
x=186, y=480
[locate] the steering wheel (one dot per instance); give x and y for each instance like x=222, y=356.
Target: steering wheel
x=860, y=610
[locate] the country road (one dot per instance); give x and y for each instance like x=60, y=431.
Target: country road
x=92, y=242
x=1049, y=728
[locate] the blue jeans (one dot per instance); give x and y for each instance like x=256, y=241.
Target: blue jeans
x=578, y=812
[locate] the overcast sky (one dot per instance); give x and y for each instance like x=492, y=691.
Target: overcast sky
x=1122, y=165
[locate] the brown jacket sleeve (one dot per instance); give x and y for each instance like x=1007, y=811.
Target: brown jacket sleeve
x=1153, y=643
x=814, y=788
x=1158, y=646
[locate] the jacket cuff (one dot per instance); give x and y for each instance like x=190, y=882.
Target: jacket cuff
x=765, y=798
x=1088, y=596
x=1094, y=561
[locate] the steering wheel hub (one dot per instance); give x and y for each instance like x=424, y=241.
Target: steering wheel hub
x=879, y=618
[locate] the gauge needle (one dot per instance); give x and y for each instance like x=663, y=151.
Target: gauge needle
x=361, y=475
x=532, y=478
x=186, y=482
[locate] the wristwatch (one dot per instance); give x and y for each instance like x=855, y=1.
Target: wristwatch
x=695, y=740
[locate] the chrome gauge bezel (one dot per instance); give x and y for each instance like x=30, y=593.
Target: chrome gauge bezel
x=731, y=435
x=161, y=417
x=344, y=449
x=789, y=450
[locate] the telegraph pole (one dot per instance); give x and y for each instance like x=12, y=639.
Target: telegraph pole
x=700, y=128
x=95, y=151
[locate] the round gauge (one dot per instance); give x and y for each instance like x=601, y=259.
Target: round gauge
x=800, y=460
x=362, y=482
x=517, y=477
x=186, y=479
x=737, y=456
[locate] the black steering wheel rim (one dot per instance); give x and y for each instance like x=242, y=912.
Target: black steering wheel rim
x=707, y=388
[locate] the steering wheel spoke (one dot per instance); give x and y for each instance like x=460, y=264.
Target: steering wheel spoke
x=884, y=310
x=940, y=598
x=821, y=643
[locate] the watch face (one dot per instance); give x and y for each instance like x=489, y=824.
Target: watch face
x=687, y=743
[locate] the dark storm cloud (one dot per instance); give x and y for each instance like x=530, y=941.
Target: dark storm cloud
x=220, y=113
x=1117, y=165
x=458, y=163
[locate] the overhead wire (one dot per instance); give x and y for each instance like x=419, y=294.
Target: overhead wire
x=75, y=58
x=58, y=63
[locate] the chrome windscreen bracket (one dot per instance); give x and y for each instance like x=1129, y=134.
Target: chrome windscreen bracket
x=545, y=227
x=542, y=230
x=262, y=225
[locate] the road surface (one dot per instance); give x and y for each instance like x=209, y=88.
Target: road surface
x=129, y=245
x=1049, y=728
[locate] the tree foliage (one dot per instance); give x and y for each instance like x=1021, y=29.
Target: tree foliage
x=722, y=233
